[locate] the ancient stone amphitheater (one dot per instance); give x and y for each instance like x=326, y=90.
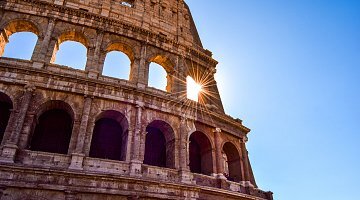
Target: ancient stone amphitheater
x=78, y=134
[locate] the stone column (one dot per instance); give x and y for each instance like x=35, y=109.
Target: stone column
x=245, y=161
x=183, y=145
x=135, y=164
x=218, y=153
x=77, y=157
x=11, y=145
x=134, y=71
x=143, y=71
x=179, y=78
x=184, y=172
x=92, y=65
x=40, y=54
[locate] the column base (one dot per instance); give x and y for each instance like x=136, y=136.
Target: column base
x=38, y=65
x=77, y=160
x=8, y=153
x=186, y=177
x=93, y=74
x=135, y=168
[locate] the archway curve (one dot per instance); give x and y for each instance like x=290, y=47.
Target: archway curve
x=17, y=26
x=52, y=127
x=110, y=136
x=160, y=144
x=21, y=25
x=200, y=153
x=232, y=166
x=71, y=36
x=165, y=61
x=6, y=105
x=116, y=56
x=122, y=47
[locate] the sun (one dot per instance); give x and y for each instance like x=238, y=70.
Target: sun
x=193, y=89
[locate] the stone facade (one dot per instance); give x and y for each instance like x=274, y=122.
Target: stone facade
x=198, y=151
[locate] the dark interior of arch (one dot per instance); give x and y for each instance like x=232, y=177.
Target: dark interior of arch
x=110, y=137
x=155, y=147
x=52, y=132
x=200, y=154
x=160, y=145
x=233, y=162
x=5, y=107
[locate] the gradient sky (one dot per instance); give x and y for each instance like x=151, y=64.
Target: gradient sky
x=291, y=71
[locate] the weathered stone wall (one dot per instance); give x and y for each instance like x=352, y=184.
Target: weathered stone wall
x=146, y=31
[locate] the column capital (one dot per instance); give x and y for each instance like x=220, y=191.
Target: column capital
x=29, y=87
x=217, y=130
x=140, y=105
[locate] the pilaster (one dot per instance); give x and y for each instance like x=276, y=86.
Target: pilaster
x=77, y=157
x=11, y=145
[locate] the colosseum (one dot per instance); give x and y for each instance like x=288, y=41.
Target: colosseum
x=79, y=134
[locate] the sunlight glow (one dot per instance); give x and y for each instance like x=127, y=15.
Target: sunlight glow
x=193, y=89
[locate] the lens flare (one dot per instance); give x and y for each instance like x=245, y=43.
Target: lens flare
x=193, y=89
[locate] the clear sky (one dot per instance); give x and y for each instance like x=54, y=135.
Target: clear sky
x=290, y=69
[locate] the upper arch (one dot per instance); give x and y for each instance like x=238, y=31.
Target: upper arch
x=20, y=25
x=72, y=35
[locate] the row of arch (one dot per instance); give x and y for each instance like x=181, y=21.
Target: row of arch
x=52, y=131
x=71, y=48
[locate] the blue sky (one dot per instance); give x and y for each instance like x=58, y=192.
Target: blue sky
x=291, y=71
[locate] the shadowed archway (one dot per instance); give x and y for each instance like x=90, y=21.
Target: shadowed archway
x=53, y=128
x=5, y=109
x=232, y=163
x=110, y=136
x=200, y=154
x=160, y=145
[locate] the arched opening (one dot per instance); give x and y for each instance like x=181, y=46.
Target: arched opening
x=160, y=70
x=53, y=128
x=110, y=135
x=18, y=39
x=5, y=110
x=71, y=50
x=200, y=154
x=193, y=89
x=157, y=77
x=232, y=163
x=20, y=45
x=160, y=145
x=117, y=64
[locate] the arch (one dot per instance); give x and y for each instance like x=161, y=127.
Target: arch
x=110, y=135
x=5, y=109
x=117, y=64
x=200, y=154
x=124, y=48
x=72, y=39
x=160, y=145
x=53, y=127
x=166, y=64
x=16, y=26
x=158, y=77
x=232, y=164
